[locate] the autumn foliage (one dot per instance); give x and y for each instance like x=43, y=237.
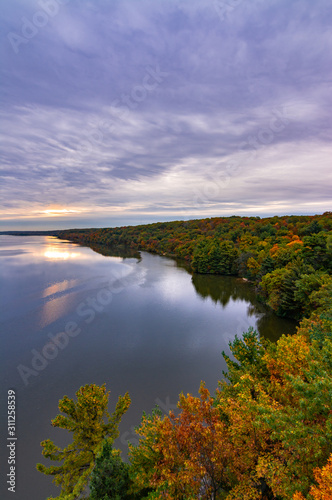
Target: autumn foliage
x=288, y=258
x=323, y=489
x=186, y=455
x=266, y=432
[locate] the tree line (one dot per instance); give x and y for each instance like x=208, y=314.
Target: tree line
x=288, y=258
x=266, y=432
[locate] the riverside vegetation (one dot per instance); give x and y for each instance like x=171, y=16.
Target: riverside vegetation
x=266, y=432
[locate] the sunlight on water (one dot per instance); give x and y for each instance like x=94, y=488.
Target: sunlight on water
x=56, y=254
x=144, y=325
x=54, y=309
x=59, y=287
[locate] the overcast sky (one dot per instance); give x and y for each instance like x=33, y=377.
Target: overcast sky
x=120, y=112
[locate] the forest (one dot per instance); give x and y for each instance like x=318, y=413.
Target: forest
x=289, y=259
x=266, y=432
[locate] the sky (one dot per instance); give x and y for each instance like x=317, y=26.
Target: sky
x=119, y=112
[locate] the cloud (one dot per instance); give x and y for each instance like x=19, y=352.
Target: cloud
x=167, y=108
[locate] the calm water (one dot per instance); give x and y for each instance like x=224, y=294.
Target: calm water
x=142, y=325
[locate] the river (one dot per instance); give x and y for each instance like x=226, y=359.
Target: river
x=142, y=324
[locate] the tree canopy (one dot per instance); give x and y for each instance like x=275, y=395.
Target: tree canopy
x=266, y=432
x=288, y=258
x=90, y=422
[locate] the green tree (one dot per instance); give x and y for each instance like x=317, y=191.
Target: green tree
x=200, y=263
x=110, y=477
x=307, y=287
x=280, y=289
x=215, y=257
x=228, y=257
x=317, y=251
x=267, y=265
x=313, y=228
x=85, y=418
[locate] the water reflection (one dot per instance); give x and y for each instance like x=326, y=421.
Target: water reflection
x=272, y=327
x=52, y=253
x=54, y=309
x=223, y=289
x=162, y=332
x=61, y=286
x=119, y=251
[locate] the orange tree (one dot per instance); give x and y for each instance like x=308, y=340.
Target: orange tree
x=185, y=456
x=323, y=489
x=286, y=390
x=262, y=436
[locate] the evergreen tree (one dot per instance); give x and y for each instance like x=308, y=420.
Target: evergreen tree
x=85, y=418
x=110, y=478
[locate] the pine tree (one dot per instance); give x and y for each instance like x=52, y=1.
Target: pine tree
x=110, y=478
x=85, y=418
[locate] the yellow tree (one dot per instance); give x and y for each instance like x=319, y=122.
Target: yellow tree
x=302, y=384
x=323, y=489
x=263, y=435
x=278, y=406
x=90, y=422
